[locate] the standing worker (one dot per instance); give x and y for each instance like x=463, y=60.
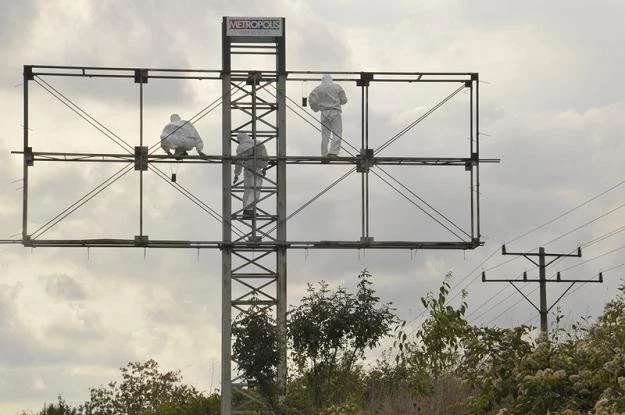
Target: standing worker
x=180, y=136
x=328, y=97
x=255, y=164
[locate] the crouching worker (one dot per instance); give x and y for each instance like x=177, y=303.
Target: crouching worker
x=253, y=169
x=180, y=136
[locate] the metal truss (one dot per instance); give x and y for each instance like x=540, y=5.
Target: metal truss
x=254, y=249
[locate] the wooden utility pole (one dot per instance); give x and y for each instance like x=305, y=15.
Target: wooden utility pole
x=542, y=280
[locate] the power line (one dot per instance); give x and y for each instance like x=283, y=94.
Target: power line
x=567, y=212
x=494, y=305
x=595, y=257
x=620, y=183
x=510, y=308
x=586, y=244
x=586, y=224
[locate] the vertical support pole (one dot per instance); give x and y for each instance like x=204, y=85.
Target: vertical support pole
x=281, y=254
x=543, y=290
x=255, y=79
x=226, y=330
x=363, y=82
x=141, y=171
x=476, y=76
x=27, y=77
x=472, y=189
x=367, y=170
x=226, y=252
x=362, y=147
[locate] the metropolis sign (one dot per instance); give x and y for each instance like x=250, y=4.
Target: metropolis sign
x=253, y=26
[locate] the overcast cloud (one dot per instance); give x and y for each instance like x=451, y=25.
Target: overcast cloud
x=552, y=109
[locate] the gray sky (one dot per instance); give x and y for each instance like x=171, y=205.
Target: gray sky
x=552, y=109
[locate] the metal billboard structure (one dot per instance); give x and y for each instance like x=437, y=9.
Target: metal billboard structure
x=254, y=249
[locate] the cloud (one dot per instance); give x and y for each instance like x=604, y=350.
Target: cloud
x=549, y=104
x=63, y=287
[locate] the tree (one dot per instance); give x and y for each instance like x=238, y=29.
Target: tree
x=256, y=351
x=331, y=330
x=143, y=388
x=60, y=408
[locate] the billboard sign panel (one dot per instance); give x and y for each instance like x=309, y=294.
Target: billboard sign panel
x=254, y=26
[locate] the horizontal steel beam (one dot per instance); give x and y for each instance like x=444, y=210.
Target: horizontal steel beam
x=163, y=158
x=246, y=245
x=201, y=74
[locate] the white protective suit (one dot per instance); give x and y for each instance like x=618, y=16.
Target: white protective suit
x=253, y=170
x=180, y=136
x=328, y=98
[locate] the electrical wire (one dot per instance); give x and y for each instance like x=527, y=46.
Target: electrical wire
x=585, y=224
x=592, y=259
x=603, y=237
x=585, y=282
x=600, y=238
x=494, y=305
x=549, y=222
x=510, y=308
x=475, y=310
x=611, y=188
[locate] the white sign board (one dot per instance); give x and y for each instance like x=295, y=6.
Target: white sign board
x=254, y=26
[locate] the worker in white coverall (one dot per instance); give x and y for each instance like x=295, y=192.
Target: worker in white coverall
x=180, y=136
x=328, y=97
x=253, y=168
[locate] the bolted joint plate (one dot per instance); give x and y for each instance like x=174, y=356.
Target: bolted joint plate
x=141, y=158
x=365, y=162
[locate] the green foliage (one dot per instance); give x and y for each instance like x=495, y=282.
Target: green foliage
x=256, y=347
x=60, y=408
x=447, y=366
x=201, y=405
x=143, y=389
x=490, y=363
x=437, y=343
x=256, y=350
x=503, y=371
x=584, y=374
x=330, y=331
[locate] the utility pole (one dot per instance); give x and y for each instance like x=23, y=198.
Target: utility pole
x=542, y=280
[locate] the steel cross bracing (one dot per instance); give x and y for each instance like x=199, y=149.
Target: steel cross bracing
x=254, y=249
x=360, y=160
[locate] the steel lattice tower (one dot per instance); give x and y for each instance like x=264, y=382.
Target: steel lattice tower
x=253, y=275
